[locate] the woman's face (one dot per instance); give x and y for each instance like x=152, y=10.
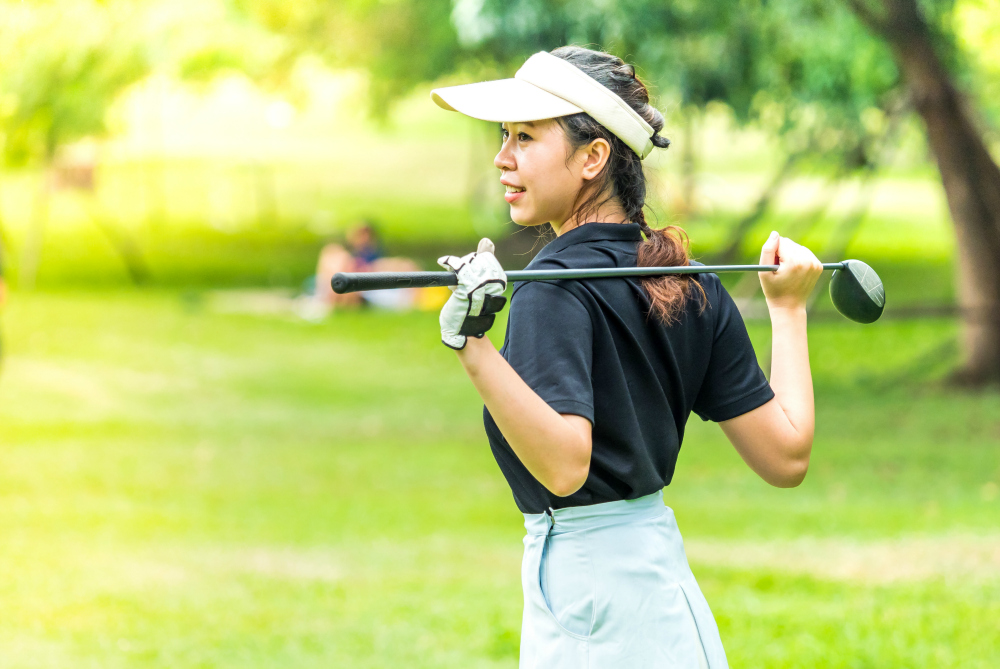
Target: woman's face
x=542, y=185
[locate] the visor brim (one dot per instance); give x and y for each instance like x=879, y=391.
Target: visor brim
x=503, y=101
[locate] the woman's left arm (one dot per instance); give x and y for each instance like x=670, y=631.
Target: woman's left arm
x=554, y=447
x=775, y=439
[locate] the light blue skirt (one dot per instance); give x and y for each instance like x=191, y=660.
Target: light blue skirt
x=608, y=586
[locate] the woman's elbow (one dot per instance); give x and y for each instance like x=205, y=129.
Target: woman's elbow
x=791, y=475
x=793, y=466
x=573, y=466
x=568, y=482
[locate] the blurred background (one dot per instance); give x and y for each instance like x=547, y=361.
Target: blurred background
x=207, y=460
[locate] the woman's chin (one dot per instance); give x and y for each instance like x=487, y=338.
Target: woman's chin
x=524, y=219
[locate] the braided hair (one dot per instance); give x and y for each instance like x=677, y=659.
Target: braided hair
x=624, y=179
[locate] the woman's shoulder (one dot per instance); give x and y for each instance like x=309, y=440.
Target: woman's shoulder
x=579, y=256
x=711, y=284
x=708, y=280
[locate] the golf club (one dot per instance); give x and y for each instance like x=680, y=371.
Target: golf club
x=855, y=288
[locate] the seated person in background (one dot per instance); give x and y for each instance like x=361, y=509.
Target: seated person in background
x=362, y=253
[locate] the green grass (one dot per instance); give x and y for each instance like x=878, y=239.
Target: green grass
x=184, y=487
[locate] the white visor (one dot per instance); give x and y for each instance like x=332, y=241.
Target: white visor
x=548, y=87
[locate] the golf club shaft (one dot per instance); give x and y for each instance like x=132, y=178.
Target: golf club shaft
x=350, y=282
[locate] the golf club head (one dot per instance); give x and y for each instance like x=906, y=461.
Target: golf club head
x=857, y=292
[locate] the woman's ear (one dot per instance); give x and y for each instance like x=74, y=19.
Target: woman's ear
x=596, y=156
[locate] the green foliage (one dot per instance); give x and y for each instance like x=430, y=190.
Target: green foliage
x=805, y=70
x=400, y=43
x=977, y=26
x=61, y=64
x=808, y=71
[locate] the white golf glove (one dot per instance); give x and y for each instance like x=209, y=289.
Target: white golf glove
x=469, y=312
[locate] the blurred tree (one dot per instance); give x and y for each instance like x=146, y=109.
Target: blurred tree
x=805, y=69
x=809, y=71
x=923, y=52
x=401, y=43
x=60, y=66
x=977, y=32
x=56, y=89
x=64, y=62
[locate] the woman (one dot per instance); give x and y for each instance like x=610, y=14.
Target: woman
x=587, y=400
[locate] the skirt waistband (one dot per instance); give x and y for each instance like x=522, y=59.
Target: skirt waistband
x=575, y=518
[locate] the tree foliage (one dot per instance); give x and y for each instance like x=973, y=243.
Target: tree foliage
x=806, y=70
x=400, y=43
x=60, y=65
x=64, y=62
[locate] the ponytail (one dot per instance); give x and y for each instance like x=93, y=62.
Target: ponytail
x=668, y=294
x=623, y=178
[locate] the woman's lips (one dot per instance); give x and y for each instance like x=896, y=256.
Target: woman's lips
x=513, y=197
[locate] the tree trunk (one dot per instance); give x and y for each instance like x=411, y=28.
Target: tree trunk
x=31, y=256
x=743, y=227
x=969, y=174
x=689, y=165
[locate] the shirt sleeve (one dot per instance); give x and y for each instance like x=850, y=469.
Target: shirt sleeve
x=734, y=383
x=550, y=346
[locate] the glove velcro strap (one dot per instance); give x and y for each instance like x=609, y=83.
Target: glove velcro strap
x=493, y=304
x=476, y=326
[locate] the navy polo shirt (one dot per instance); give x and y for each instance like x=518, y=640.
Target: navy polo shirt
x=591, y=348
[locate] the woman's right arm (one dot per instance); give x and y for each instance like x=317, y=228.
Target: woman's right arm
x=554, y=447
x=775, y=439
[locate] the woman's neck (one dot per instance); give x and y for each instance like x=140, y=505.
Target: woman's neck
x=609, y=212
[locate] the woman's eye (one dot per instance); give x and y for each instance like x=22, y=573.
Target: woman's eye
x=521, y=137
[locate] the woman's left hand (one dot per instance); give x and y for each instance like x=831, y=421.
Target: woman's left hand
x=798, y=271
x=469, y=312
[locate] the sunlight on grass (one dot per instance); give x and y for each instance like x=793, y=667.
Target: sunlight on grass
x=180, y=486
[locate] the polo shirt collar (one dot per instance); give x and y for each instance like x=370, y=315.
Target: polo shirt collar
x=594, y=232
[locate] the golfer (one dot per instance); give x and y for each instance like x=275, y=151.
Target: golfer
x=587, y=400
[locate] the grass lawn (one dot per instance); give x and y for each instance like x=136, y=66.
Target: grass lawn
x=183, y=487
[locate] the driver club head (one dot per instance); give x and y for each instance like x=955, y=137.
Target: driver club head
x=857, y=292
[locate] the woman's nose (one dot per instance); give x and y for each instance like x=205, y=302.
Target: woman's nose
x=504, y=160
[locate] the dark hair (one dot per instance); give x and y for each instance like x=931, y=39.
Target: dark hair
x=624, y=179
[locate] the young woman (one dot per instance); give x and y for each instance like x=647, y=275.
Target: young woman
x=587, y=400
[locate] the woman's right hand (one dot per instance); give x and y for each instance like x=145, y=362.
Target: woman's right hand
x=798, y=271
x=469, y=312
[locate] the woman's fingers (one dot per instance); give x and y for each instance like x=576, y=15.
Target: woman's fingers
x=792, y=255
x=486, y=246
x=798, y=271
x=769, y=252
x=804, y=259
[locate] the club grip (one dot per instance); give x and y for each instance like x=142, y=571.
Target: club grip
x=352, y=282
